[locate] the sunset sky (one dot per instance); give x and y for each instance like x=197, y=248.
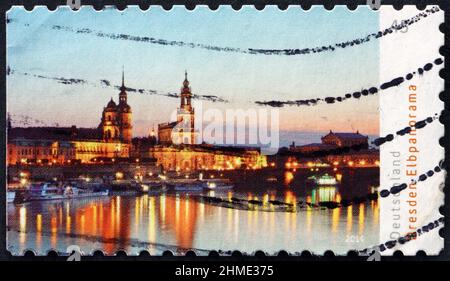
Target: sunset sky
x=37, y=53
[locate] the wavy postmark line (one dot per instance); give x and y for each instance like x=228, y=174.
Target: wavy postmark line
x=107, y=83
x=418, y=125
x=329, y=100
x=357, y=94
x=404, y=239
x=279, y=206
x=404, y=24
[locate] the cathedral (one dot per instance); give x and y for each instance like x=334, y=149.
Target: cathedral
x=174, y=149
x=177, y=149
x=61, y=145
x=181, y=131
x=115, y=124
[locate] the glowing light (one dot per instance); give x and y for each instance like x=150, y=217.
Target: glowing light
x=350, y=163
x=335, y=163
x=144, y=187
x=272, y=164
x=23, y=181
x=377, y=163
x=362, y=162
x=288, y=177
x=22, y=218
x=119, y=175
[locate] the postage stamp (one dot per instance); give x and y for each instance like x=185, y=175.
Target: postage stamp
x=295, y=130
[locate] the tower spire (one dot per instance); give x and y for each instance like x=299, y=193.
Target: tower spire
x=123, y=76
x=123, y=93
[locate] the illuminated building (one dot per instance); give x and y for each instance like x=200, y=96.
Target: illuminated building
x=330, y=151
x=60, y=145
x=42, y=145
x=116, y=119
x=362, y=158
x=207, y=157
x=40, y=151
x=332, y=141
x=181, y=131
x=177, y=149
x=345, y=139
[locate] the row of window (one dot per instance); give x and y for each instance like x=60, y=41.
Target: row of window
x=43, y=151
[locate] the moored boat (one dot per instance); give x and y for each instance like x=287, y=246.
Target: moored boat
x=51, y=191
x=324, y=179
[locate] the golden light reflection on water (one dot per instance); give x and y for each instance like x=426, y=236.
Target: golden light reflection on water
x=38, y=223
x=23, y=219
x=361, y=218
x=68, y=224
x=162, y=208
x=180, y=217
x=54, y=231
x=349, y=219
x=152, y=220
x=335, y=216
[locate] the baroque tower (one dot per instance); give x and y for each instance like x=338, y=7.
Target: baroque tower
x=116, y=118
x=124, y=112
x=185, y=115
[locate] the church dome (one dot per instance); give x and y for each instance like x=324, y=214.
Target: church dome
x=111, y=104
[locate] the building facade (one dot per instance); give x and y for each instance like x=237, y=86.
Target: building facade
x=116, y=118
x=29, y=151
x=207, y=157
x=181, y=131
x=332, y=141
x=345, y=139
x=63, y=145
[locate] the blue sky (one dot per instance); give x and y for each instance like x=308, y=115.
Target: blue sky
x=34, y=47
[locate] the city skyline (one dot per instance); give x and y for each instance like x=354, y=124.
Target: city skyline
x=239, y=79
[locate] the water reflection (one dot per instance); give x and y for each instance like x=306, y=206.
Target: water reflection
x=174, y=221
x=179, y=220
